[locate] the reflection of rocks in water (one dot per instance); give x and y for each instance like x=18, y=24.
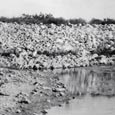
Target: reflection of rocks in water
x=94, y=82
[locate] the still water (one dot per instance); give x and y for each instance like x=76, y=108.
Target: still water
x=94, y=89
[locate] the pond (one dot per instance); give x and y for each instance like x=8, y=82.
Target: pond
x=93, y=88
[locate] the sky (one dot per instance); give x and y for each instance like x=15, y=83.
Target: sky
x=86, y=9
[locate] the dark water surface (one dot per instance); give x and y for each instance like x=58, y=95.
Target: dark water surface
x=94, y=89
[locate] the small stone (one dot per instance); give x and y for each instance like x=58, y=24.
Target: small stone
x=18, y=111
x=49, y=101
x=95, y=55
x=44, y=112
x=35, y=68
x=25, y=100
x=46, y=88
x=60, y=89
x=34, y=53
x=35, y=83
x=62, y=94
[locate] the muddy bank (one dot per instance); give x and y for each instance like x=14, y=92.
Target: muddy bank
x=29, y=93
x=50, y=46
x=25, y=92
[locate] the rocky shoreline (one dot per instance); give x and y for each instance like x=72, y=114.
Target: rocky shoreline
x=50, y=46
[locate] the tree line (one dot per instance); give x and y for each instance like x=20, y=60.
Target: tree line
x=50, y=19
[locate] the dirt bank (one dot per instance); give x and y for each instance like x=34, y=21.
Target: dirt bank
x=25, y=92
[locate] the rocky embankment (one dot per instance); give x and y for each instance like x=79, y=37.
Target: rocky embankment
x=50, y=46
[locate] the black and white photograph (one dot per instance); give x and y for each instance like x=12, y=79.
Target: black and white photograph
x=57, y=57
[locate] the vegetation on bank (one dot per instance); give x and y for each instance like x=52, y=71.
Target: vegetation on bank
x=50, y=19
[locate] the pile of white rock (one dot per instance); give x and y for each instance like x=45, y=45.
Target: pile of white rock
x=51, y=46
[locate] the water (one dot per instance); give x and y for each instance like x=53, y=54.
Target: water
x=94, y=89
x=86, y=106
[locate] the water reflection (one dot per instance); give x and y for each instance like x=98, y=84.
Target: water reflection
x=89, y=81
x=94, y=81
